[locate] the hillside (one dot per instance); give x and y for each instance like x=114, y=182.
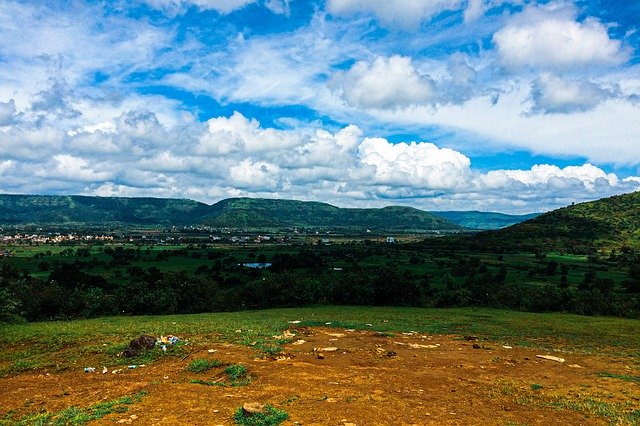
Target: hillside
x=607, y=223
x=245, y=213
x=101, y=211
x=254, y=212
x=483, y=220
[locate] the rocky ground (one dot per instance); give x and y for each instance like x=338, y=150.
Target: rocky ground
x=328, y=376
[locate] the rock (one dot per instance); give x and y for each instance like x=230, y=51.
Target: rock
x=574, y=366
x=476, y=346
x=507, y=347
x=391, y=354
x=469, y=338
x=417, y=346
x=251, y=408
x=320, y=356
x=551, y=358
x=328, y=349
x=299, y=342
x=138, y=345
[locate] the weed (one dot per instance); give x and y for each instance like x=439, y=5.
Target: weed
x=625, y=377
x=536, y=386
x=201, y=365
x=271, y=417
x=238, y=375
x=76, y=415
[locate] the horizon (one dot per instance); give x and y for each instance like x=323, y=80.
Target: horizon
x=505, y=106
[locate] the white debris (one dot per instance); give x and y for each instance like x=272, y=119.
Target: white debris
x=551, y=358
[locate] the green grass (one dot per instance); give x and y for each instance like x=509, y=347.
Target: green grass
x=624, y=377
x=238, y=375
x=272, y=417
x=201, y=365
x=64, y=344
x=76, y=415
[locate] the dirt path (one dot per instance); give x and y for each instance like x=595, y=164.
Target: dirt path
x=341, y=377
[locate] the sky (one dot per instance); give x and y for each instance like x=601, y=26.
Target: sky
x=495, y=105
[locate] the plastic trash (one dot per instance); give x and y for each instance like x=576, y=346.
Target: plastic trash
x=89, y=370
x=131, y=367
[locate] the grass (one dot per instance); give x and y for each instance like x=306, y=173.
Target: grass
x=76, y=415
x=272, y=417
x=59, y=345
x=236, y=373
x=624, y=377
x=201, y=365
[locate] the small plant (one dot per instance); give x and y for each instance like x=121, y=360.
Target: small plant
x=536, y=386
x=238, y=375
x=271, y=417
x=201, y=365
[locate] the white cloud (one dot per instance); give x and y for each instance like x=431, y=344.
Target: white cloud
x=5, y=165
x=385, y=83
x=586, y=177
x=256, y=176
x=8, y=113
x=174, y=7
x=406, y=14
x=553, y=94
x=74, y=169
x=421, y=165
x=555, y=40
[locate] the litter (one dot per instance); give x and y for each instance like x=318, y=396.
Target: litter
x=295, y=322
x=105, y=370
x=89, y=370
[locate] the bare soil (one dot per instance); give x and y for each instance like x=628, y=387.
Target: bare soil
x=330, y=376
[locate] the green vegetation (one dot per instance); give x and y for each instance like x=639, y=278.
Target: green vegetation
x=201, y=365
x=230, y=213
x=38, y=346
x=609, y=223
x=570, y=267
x=273, y=416
x=624, y=377
x=484, y=220
x=238, y=375
x=75, y=415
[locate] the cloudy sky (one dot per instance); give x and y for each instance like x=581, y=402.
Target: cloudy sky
x=495, y=105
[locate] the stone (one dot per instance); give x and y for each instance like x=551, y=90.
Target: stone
x=476, y=346
x=551, y=358
x=252, y=408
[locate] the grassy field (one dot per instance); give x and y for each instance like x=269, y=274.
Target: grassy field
x=61, y=345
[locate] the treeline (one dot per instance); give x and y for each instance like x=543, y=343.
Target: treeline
x=71, y=290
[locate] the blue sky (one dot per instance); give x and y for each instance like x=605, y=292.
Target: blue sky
x=495, y=105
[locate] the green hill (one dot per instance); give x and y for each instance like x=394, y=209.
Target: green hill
x=243, y=213
x=98, y=211
x=607, y=223
x=256, y=213
x=483, y=220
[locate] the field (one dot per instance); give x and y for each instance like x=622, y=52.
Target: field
x=327, y=365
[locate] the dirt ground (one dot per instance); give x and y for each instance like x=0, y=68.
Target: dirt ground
x=330, y=376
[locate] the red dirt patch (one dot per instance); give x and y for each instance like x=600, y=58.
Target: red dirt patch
x=368, y=379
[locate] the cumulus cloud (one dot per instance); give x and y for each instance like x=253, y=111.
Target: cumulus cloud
x=421, y=165
x=553, y=94
x=586, y=177
x=384, y=83
x=554, y=39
